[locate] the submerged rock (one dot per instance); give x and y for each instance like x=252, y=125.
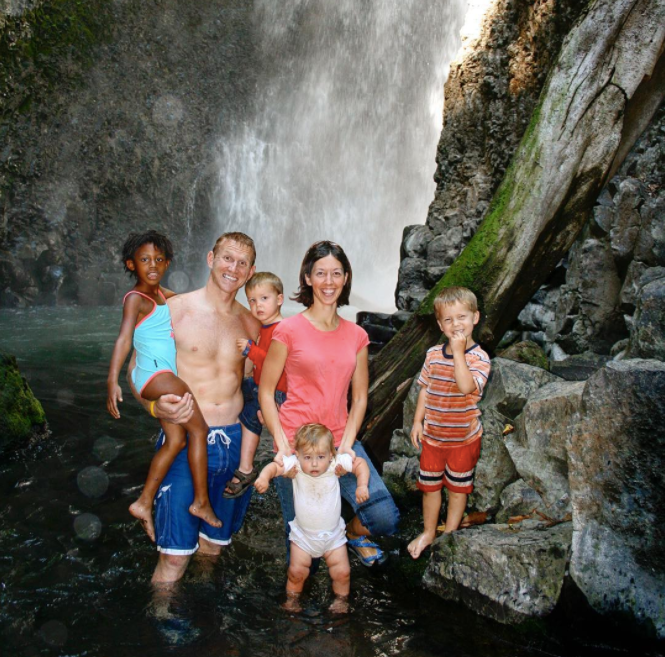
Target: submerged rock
x=616, y=462
x=506, y=574
x=22, y=417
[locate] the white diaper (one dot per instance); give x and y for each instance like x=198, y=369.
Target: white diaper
x=316, y=544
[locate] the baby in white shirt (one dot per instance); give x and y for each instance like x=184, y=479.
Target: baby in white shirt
x=318, y=529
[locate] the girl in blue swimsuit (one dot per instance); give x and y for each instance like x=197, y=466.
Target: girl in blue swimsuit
x=147, y=319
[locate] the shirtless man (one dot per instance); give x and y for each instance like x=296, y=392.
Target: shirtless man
x=207, y=323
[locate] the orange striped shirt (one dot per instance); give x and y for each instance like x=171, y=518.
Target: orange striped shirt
x=451, y=417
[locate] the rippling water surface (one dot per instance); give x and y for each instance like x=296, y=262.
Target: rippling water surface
x=75, y=570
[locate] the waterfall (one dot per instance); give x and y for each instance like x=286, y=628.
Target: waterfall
x=341, y=144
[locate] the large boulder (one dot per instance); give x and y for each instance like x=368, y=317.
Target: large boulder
x=538, y=445
x=510, y=385
x=495, y=469
x=616, y=462
x=647, y=334
x=22, y=417
x=504, y=573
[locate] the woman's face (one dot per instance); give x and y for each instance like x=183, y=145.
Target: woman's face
x=327, y=280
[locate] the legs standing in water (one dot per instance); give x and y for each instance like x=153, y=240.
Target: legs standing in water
x=162, y=384
x=339, y=569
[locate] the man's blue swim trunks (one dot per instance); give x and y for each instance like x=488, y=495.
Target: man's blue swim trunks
x=177, y=530
x=154, y=343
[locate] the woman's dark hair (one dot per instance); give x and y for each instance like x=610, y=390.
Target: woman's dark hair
x=137, y=240
x=315, y=252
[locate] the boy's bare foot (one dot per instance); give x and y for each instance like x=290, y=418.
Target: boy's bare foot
x=143, y=513
x=340, y=605
x=205, y=512
x=292, y=603
x=420, y=543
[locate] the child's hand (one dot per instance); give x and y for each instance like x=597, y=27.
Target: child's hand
x=261, y=484
x=115, y=396
x=241, y=343
x=362, y=494
x=417, y=434
x=457, y=343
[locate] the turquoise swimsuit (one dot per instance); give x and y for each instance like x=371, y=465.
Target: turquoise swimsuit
x=154, y=343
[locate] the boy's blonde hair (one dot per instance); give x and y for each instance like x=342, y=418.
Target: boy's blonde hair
x=265, y=278
x=453, y=294
x=310, y=435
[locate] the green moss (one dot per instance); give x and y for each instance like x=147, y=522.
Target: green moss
x=46, y=47
x=480, y=261
x=21, y=414
x=526, y=352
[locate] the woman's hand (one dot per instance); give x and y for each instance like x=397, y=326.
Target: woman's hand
x=175, y=409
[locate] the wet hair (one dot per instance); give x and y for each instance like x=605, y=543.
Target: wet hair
x=265, y=278
x=453, y=294
x=136, y=240
x=239, y=238
x=315, y=252
x=309, y=436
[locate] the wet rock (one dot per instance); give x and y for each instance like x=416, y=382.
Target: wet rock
x=505, y=574
x=22, y=418
x=415, y=240
x=510, y=385
x=379, y=327
x=647, y=333
x=578, y=367
x=616, y=464
x=526, y=352
x=495, y=468
x=401, y=476
x=518, y=499
x=537, y=447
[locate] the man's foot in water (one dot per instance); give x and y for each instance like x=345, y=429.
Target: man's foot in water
x=204, y=511
x=143, y=513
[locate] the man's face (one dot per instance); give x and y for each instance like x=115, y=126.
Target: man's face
x=230, y=266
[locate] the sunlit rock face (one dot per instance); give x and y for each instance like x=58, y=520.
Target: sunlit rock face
x=490, y=95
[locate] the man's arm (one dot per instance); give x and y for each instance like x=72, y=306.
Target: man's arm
x=170, y=408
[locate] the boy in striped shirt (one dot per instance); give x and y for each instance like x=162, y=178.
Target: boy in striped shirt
x=447, y=420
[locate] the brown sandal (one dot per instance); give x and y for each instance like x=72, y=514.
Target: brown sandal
x=238, y=488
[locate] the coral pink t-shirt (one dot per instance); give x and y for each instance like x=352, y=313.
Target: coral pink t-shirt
x=319, y=368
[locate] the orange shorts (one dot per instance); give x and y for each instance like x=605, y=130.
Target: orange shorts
x=451, y=467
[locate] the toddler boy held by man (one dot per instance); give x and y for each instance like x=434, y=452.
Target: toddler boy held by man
x=265, y=296
x=447, y=419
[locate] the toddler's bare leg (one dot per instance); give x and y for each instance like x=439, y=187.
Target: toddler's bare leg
x=296, y=576
x=161, y=462
x=197, y=453
x=337, y=561
x=431, y=510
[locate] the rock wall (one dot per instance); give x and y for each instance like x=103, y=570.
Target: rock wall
x=110, y=114
x=490, y=95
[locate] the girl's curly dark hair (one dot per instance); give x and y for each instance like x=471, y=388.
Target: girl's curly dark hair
x=137, y=240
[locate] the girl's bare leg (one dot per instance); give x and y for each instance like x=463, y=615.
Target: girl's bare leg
x=161, y=462
x=337, y=561
x=296, y=576
x=197, y=454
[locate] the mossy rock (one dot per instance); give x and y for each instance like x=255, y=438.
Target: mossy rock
x=22, y=417
x=526, y=352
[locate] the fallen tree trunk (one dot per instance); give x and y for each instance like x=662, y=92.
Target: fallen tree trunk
x=606, y=85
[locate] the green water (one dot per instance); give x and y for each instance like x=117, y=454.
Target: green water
x=75, y=569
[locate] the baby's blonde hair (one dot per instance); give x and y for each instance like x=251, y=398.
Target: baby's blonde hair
x=265, y=278
x=453, y=294
x=309, y=436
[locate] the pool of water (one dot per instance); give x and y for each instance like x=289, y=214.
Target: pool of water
x=75, y=569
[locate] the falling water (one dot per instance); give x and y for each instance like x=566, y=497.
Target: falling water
x=343, y=139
